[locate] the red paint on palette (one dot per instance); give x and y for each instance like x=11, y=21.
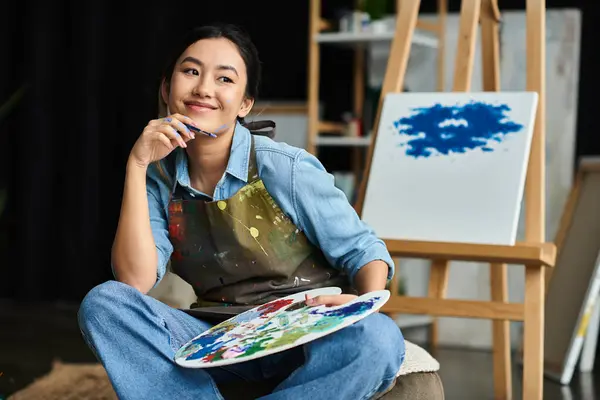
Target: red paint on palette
x=273, y=306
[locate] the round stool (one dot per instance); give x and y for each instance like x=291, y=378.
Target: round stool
x=417, y=380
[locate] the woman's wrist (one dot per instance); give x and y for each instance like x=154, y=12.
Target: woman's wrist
x=132, y=162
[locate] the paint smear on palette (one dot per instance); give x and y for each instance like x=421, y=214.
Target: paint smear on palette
x=442, y=130
x=278, y=324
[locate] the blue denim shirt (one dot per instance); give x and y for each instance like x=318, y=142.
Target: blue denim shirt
x=298, y=183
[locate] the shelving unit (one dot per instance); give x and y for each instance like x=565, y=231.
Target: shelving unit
x=342, y=141
x=430, y=35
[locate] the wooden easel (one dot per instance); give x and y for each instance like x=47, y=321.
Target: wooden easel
x=535, y=254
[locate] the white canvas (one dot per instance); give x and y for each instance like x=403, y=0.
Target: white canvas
x=450, y=167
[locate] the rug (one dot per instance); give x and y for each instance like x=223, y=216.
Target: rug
x=69, y=382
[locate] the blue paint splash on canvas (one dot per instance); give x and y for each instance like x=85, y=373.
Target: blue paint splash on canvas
x=444, y=130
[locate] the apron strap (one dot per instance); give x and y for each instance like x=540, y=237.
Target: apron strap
x=262, y=128
x=252, y=168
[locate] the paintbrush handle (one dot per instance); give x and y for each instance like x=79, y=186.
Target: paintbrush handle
x=193, y=128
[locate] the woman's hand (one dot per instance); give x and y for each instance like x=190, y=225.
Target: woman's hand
x=333, y=300
x=160, y=137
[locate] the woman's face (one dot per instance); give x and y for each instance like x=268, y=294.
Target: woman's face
x=208, y=85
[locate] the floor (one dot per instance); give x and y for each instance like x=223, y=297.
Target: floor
x=24, y=356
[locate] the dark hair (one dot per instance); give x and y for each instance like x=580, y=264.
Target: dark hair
x=237, y=36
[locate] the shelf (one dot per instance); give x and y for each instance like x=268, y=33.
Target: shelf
x=342, y=141
x=331, y=127
x=279, y=107
x=352, y=38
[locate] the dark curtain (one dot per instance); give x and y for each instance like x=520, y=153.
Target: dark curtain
x=91, y=70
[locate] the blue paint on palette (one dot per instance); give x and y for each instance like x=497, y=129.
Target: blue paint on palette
x=247, y=316
x=205, y=345
x=444, y=130
x=357, y=308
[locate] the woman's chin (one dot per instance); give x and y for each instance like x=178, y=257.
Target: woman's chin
x=218, y=128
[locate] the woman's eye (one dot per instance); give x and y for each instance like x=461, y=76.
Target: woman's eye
x=225, y=79
x=191, y=71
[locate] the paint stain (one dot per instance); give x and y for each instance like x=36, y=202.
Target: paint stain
x=442, y=130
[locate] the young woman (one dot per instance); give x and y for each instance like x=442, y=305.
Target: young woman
x=244, y=220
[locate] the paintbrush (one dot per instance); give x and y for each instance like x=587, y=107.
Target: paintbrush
x=193, y=128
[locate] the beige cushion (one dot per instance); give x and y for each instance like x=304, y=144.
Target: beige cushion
x=417, y=359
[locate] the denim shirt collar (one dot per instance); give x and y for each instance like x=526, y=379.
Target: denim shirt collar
x=237, y=165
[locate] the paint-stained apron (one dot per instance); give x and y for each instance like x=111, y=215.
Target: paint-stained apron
x=242, y=251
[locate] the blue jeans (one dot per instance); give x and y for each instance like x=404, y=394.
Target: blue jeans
x=136, y=336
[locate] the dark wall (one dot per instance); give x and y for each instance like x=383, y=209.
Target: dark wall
x=92, y=71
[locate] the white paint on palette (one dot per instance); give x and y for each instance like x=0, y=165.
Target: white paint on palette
x=450, y=167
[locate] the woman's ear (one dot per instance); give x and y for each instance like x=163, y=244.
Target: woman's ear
x=246, y=106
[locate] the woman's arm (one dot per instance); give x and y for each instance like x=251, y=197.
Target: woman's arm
x=142, y=249
x=371, y=277
x=134, y=256
x=323, y=212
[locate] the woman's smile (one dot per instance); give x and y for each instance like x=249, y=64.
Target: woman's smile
x=199, y=106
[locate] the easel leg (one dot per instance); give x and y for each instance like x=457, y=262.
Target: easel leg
x=490, y=45
x=535, y=210
x=490, y=52
x=501, y=336
x=533, y=348
x=465, y=51
x=438, y=286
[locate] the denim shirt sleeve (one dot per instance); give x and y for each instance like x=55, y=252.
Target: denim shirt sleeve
x=158, y=191
x=324, y=214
